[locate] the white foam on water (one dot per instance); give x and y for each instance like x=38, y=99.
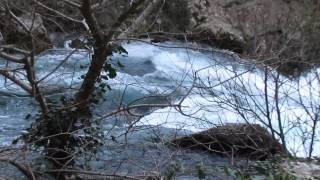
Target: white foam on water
x=206, y=107
x=199, y=113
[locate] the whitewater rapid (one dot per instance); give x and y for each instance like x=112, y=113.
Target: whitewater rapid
x=215, y=86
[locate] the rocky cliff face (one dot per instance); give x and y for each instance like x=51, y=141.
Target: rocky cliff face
x=14, y=33
x=286, y=31
x=278, y=29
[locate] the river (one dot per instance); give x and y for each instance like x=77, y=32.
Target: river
x=216, y=87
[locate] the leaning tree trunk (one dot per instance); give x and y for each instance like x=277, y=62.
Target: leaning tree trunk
x=101, y=48
x=99, y=55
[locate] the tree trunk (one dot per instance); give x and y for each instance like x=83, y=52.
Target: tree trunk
x=88, y=85
x=101, y=52
x=101, y=49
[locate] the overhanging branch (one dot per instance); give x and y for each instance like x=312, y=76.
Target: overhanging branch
x=10, y=75
x=58, y=12
x=122, y=18
x=72, y=3
x=12, y=58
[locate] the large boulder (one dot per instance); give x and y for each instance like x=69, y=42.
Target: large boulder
x=14, y=33
x=211, y=22
x=233, y=140
x=194, y=20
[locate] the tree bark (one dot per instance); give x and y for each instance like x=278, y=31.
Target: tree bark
x=10, y=75
x=36, y=91
x=102, y=49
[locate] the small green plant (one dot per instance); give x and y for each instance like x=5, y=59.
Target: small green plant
x=171, y=171
x=266, y=170
x=236, y=174
x=201, y=172
x=281, y=176
x=272, y=171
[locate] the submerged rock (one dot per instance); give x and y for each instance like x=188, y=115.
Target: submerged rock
x=234, y=140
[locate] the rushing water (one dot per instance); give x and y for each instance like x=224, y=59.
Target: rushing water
x=161, y=74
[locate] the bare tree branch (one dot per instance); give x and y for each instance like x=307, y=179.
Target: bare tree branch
x=122, y=18
x=57, y=12
x=25, y=170
x=24, y=26
x=72, y=3
x=13, y=48
x=102, y=47
x=10, y=75
x=12, y=58
x=152, y=5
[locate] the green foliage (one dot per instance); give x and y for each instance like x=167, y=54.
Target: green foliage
x=69, y=129
x=89, y=44
x=171, y=171
x=119, y=64
x=111, y=72
x=201, y=172
x=282, y=176
x=236, y=174
x=118, y=49
x=266, y=170
x=273, y=171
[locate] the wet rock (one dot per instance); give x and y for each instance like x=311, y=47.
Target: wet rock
x=142, y=66
x=239, y=140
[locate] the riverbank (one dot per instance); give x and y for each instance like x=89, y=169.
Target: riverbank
x=281, y=34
